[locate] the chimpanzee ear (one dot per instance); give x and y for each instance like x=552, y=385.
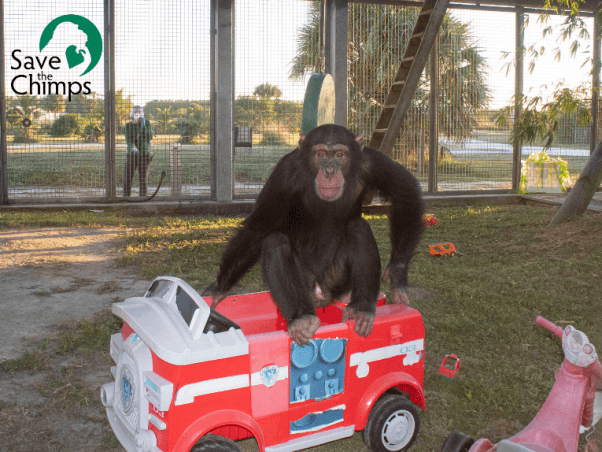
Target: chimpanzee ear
x=361, y=141
x=301, y=138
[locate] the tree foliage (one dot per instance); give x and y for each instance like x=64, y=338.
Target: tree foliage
x=163, y=119
x=194, y=123
x=542, y=122
x=23, y=116
x=67, y=125
x=268, y=91
x=378, y=38
x=53, y=103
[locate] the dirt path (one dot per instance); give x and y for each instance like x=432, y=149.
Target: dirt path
x=50, y=276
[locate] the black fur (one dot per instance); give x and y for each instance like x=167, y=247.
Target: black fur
x=303, y=240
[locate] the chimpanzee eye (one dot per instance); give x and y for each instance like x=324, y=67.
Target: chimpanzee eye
x=340, y=155
x=321, y=154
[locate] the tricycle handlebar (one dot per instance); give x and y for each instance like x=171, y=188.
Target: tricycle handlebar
x=549, y=326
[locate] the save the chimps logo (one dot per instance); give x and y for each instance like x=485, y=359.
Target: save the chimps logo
x=42, y=78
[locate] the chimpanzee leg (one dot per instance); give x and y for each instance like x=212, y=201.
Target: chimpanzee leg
x=283, y=273
x=361, y=253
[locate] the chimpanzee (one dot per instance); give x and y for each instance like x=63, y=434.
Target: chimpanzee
x=308, y=233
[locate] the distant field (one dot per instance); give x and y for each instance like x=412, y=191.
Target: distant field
x=58, y=164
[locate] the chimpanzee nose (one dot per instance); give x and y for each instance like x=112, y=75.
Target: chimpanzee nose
x=329, y=171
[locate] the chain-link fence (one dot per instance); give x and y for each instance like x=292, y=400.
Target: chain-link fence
x=56, y=82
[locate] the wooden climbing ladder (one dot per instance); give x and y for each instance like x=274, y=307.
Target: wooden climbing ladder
x=407, y=78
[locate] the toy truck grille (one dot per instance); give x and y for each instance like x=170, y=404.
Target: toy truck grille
x=125, y=400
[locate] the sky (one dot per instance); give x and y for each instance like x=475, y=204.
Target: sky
x=162, y=47
x=494, y=34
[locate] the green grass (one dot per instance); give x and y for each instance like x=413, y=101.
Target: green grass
x=485, y=302
x=74, y=219
x=84, y=165
x=482, y=304
x=64, y=165
x=89, y=336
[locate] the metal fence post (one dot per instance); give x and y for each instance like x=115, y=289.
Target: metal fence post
x=222, y=88
x=3, y=148
x=518, y=92
x=433, y=116
x=109, y=101
x=175, y=170
x=593, y=140
x=335, y=53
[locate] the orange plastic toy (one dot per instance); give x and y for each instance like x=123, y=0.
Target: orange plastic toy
x=442, y=249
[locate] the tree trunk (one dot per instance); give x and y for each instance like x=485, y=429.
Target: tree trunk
x=584, y=189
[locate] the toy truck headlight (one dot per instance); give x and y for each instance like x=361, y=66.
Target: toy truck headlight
x=107, y=394
x=158, y=390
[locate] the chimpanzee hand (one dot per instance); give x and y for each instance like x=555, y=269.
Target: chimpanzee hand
x=364, y=321
x=301, y=330
x=398, y=295
x=216, y=294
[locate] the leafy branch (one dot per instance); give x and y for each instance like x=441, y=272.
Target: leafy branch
x=540, y=121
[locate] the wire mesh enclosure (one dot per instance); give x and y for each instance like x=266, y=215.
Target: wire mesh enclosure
x=163, y=50
x=267, y=99
x=52, y=110
x=56, y=68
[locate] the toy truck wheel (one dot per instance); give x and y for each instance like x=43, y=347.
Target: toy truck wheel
x=215, y=443
x=457, y=442
x=392, y=425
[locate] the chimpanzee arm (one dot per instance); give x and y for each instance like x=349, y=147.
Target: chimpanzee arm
x=270, y=211
x=407, y=209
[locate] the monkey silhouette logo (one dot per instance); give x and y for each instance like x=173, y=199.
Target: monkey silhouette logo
x=75, y=57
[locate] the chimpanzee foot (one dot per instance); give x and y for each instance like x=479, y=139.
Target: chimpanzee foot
x=301, y=330
x=364, y=321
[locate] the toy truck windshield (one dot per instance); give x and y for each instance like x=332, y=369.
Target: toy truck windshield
x=175, y=321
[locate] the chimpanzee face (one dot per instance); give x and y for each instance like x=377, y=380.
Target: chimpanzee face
x=334, y=161
x=331, y=162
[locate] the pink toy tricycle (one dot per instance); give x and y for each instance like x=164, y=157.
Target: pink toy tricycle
x=573, y=406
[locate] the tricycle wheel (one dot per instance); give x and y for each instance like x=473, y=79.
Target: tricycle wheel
x=215, y=443
x=392, y=425
x=457, y=442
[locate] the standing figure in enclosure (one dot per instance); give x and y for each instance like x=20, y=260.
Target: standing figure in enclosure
x=138, y=133
x=308, y=232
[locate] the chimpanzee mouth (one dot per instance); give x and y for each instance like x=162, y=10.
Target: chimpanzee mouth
x=329, y=192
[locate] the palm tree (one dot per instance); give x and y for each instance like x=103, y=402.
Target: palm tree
x=23, y=116
x=123, y=106
x=164, y=118
x=378, y=36
x=53, y=103
x=268, y=91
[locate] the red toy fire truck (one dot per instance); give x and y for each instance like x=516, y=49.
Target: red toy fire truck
x=190, y=378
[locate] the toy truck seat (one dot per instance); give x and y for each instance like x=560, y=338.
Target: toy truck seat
x=258, y=313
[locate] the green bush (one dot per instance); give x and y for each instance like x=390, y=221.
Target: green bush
x=93, y=131
x=67, y=125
